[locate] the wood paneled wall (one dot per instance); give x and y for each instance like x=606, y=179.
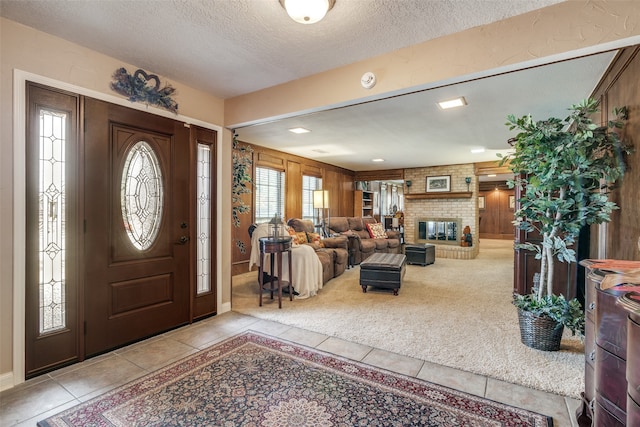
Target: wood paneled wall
x=621, y=87
x=339, y=182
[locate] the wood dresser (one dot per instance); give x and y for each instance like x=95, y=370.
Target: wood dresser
x=611, y=355
x=631, y=302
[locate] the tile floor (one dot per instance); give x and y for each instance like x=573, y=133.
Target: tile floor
x=49, y=394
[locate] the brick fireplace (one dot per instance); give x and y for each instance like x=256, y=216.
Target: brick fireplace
x=449, y=215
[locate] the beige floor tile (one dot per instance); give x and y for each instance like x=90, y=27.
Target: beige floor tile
x=107, y=372
x=270, y=328
x=393, y=362
x=534, y=400
x=304, y=337
x=39, y=417
x=454, y=378
x=196, y=335
x=155, y=354
x=344, y=348
x=23, y=402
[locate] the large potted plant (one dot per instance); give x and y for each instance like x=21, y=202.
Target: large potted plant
x=564, y=169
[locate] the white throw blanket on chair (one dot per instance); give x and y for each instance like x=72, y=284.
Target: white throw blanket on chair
x=306, y=267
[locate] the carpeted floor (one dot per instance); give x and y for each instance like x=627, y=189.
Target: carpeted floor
x=256, y=380
x=456, y=313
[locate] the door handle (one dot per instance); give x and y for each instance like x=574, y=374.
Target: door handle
x=183, y=240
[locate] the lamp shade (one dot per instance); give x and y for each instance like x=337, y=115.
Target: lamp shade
x=307, y=11
x=320, y=199
x=395, y=222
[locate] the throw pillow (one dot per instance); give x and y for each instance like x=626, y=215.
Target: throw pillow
x=376, y=231
x=314, y=238
x=294, y=237
x=301, y=237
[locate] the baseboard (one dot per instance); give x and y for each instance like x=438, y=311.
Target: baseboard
x=6, y=381
x=224, y=307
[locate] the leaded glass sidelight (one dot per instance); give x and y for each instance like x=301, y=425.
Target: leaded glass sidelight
x=203, y=212
x=141, y=195
x=51, y=220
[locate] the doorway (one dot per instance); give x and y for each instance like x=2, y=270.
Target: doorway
x=119, y=212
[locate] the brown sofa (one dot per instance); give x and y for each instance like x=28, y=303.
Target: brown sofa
x=361, y=245
x=333, y=252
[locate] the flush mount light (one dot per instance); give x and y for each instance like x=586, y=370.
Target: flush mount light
x=477, y=150
x=492, y=175
x=307, y=11
x=452, y=103
x=377, y=160
x=299, y=130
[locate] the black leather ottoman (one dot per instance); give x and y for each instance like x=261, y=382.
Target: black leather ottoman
x=422, y=254
x=383, y=270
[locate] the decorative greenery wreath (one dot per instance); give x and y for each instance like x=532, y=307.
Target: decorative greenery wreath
x=136, y=88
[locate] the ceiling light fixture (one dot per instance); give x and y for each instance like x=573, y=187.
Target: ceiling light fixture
x=299, y=130
x=477, y=150
x=452, y=103
x=307, y=11
x=377, y=160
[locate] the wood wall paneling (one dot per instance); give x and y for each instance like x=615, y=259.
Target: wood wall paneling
x=623, y=233
x=293, y=185
x=380, y=175
x=337, y=180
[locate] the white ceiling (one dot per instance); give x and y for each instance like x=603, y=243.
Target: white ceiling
x=233, y=47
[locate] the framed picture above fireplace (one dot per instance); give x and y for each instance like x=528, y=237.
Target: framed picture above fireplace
x=438, y=184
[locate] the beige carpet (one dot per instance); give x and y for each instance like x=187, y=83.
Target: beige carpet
x=456, y=313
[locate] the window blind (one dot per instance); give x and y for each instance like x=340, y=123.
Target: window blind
x=269, y=191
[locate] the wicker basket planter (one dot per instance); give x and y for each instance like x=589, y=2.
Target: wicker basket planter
x=540, y=333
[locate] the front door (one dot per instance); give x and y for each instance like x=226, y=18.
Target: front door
x=137, y=230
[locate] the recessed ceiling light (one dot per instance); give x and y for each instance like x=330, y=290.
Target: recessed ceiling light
x=452, y=103
x=377, y=160
x=477, y=150
x=492, y=175
x=299, y=130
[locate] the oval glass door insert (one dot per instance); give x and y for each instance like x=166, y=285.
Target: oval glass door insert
x=141, y=195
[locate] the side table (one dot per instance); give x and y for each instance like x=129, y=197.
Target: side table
x=275, y=247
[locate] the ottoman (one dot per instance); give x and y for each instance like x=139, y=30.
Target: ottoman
x=383, y=270
x=422, y=254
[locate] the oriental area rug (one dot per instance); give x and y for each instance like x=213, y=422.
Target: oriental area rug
x=258, y=380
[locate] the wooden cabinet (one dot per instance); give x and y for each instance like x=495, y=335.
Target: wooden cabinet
x=611, y=346
x=364, y=203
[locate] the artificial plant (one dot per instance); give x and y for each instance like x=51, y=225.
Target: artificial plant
x=242, y=162
x=565, y=169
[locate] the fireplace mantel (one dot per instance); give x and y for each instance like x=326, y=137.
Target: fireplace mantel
x=443, y=195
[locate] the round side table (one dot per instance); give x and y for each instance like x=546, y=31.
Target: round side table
x=275, y=246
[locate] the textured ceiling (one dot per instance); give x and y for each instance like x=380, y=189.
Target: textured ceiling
x=233, y=47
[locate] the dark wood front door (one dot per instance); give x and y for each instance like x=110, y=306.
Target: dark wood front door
x=137, y=225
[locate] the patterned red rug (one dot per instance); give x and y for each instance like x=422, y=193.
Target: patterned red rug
x=256, y=380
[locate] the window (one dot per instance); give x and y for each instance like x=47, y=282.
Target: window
x=141, y=195
x=310, y=183
x=51, y=219
x=269, y=184
x=203, y=219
